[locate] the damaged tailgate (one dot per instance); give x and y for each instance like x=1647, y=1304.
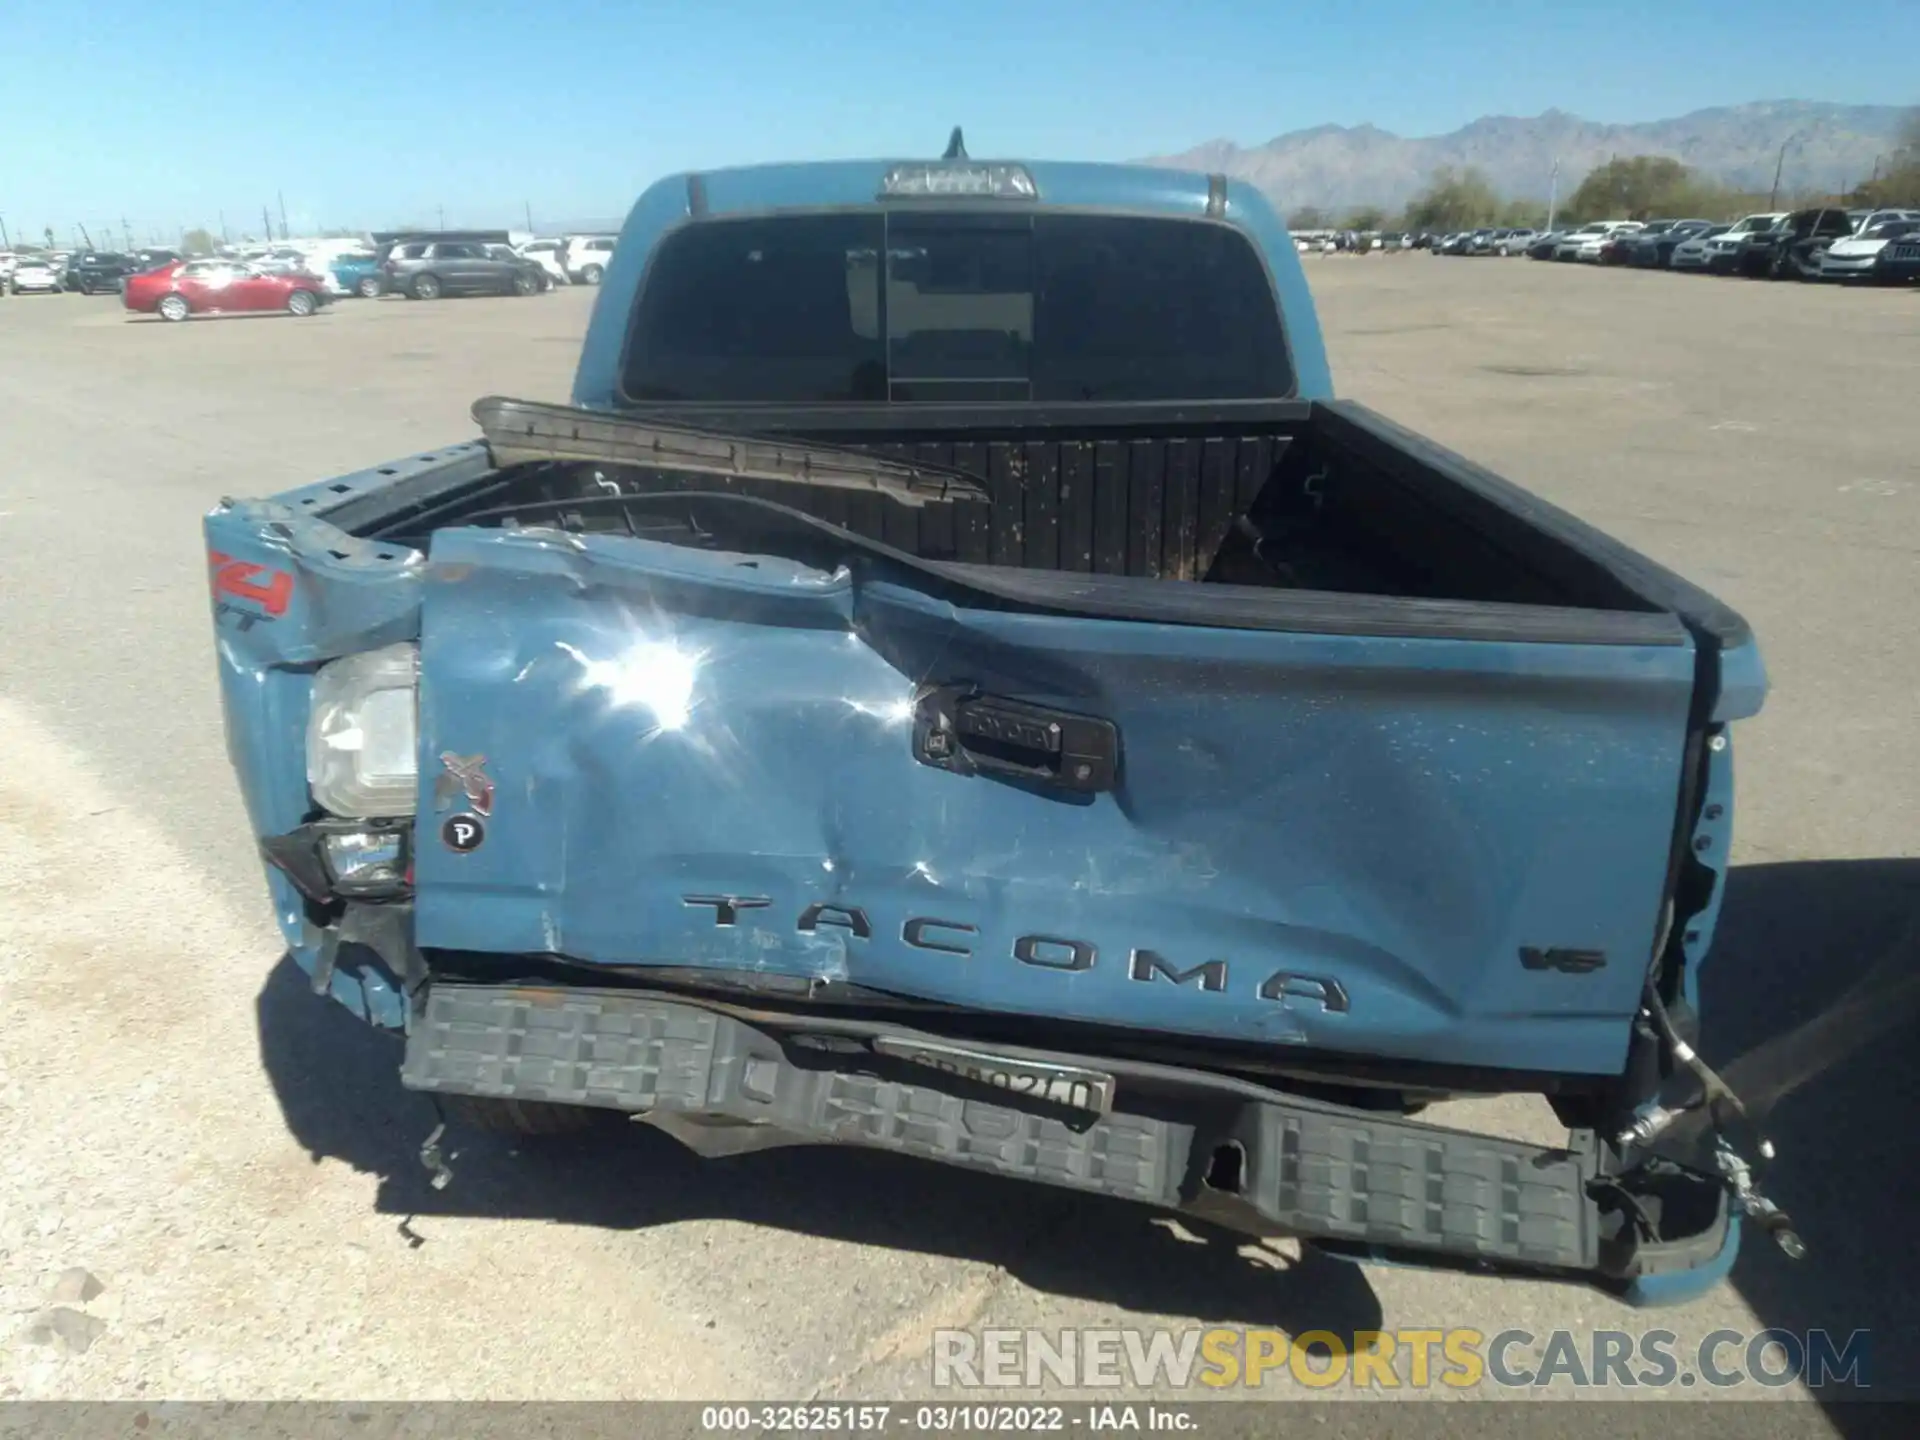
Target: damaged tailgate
x=1434, y=846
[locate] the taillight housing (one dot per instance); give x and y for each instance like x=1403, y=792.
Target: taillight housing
x=363, y=733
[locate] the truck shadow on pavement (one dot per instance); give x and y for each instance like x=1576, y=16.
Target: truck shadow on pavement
x=338, y=1086
x=1811, y=1010
x=1811, y=1004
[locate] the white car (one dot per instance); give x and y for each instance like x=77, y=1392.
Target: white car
x=586, y=257
x=1854, y=257
x=546, y=254
x=1875, y=218
x=1584, y=244
x=35, y=275
x=1693, y=252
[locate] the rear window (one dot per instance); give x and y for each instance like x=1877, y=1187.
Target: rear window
x=915, y=307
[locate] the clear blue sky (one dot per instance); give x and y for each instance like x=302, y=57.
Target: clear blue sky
x=169, y=113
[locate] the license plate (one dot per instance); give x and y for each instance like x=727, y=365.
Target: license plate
x=1069, y=1086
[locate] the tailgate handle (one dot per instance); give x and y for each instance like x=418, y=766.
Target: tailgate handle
x=958, y=728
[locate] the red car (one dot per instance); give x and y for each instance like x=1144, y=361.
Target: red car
x=216, y=287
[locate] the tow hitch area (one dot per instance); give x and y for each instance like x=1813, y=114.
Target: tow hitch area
x=1363, y=1184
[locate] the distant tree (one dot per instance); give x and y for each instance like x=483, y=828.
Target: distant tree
x=1632, y=187
x=198, y=242
x=1523, y=215
x=1898, y=179
x=1367, y=217
x=1307, y=217
x=1453, y=201
x=1647, y=187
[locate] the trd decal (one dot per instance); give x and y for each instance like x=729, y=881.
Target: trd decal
x=246, y=580
x=463, y=775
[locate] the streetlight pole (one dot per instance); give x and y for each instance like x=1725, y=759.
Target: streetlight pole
x=1553, y=192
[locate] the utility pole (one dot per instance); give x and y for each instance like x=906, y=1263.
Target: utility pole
x=441, y=211
x=5, y=243
x=1553, y=192
x=126, y=232
x=266, y=225
x=86, y=240
x=528, y=206
x=281, y=195
x=1773, y=195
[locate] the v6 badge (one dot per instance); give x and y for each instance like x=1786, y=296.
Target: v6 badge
x=463, y=833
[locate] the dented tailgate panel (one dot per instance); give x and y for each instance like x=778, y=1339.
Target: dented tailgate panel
x=683, y=758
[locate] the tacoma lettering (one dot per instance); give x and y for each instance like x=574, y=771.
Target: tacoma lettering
x=1043, y=952
x=1145, y=964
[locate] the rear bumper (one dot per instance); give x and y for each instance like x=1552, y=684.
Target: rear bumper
x=1360, y=1184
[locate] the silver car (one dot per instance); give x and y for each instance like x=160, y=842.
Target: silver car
x=1693, y=252
x=1856, y=256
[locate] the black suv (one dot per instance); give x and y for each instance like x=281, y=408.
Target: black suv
x=1791, y=249
x=93, y=271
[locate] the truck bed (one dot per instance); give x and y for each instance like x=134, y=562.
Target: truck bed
x=1320, y=500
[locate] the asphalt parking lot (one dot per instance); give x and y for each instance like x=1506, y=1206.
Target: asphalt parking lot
x=234, y=1160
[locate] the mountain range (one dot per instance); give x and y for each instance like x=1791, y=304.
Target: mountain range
x=1336, y=167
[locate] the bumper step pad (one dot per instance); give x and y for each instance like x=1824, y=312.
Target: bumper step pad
x=1310, y=1168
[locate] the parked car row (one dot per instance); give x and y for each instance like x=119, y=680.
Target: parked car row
x=1819, y=243
x=300, y=277
x=86, y=272
x=1355, y=242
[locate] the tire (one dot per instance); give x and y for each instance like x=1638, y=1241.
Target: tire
x=369, y=287
x=301, y=302
x=525, y=285
x=425, y=287
x=174, y=307
x=86, y=287
x=590, y=275
x=522, y=1117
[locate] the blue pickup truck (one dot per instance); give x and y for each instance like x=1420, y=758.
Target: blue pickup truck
x=955, y=680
